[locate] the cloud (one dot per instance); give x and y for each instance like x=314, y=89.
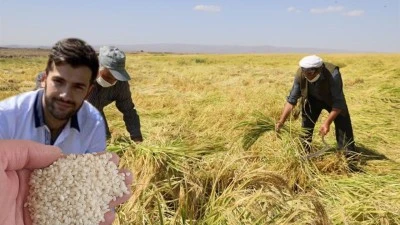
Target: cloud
x=357, y=12
x=329, y=9
x=335, y=9
x=293, y=9
x=207, y=8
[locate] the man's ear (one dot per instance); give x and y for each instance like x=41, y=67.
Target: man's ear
x=43, y=80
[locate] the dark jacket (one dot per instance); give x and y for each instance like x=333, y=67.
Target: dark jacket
x=120, y=94
x=328, y=88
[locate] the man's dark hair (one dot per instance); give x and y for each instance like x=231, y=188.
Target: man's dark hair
x=74, y=52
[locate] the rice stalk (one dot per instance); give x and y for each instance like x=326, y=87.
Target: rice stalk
x=255, y=128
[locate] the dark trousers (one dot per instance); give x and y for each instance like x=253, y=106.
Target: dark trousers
x=344, y=131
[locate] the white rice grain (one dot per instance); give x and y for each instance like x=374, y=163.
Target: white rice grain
x=75, y=190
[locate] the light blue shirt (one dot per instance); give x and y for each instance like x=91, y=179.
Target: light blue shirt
x=21, y=117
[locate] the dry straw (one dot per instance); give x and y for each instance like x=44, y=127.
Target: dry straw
x=192, y=102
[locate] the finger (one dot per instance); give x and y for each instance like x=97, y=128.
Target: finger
x=125, y=197
x=114, y=158
x=277, y=127
x=18, y=154
x=128, y=176
x=321, y=130
x=120, y=200
x=24, y=176
x=109, y=217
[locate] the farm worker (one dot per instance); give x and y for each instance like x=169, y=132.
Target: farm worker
x=112, y=86
x=57, y=114
x=18, y=158
x=319, y=85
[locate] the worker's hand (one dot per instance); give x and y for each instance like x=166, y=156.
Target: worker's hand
x=18, y=158
x=324, y=129
x=278, y=126
x=137, y=139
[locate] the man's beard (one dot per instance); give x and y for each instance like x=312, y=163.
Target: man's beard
x=50, y=105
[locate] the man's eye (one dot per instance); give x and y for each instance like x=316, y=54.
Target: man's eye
x=80, y=87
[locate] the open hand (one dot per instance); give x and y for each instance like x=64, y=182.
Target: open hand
x=18, y=158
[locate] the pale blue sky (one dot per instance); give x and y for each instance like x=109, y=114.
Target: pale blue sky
x=359, y=25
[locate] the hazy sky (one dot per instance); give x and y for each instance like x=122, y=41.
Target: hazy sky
x=359, y=25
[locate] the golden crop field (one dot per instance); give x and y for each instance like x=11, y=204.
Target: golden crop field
x=197, y=111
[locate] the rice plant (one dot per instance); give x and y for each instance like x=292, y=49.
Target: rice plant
x=208, y=159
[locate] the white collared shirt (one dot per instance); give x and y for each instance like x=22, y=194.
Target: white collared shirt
x=21, y=117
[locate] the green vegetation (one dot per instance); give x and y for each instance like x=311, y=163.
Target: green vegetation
x=210, y=154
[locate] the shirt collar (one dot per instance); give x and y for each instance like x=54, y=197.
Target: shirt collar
x=39, y=115
x=321, y=78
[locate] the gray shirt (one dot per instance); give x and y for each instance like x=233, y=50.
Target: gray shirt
x=120, y=94
x=336, y=90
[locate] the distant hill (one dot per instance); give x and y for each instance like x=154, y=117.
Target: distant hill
x=213, y=49
x=221, y=49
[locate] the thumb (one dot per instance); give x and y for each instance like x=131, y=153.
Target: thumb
x=321, y=131
x=20, y=154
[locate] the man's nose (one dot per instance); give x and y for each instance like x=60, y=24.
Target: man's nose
x=66, y=93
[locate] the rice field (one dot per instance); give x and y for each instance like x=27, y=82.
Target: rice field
x=210, y=154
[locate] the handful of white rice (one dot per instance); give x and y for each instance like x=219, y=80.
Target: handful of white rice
x=75, y=190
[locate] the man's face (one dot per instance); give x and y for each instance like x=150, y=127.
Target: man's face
x=65, y=90
x=107, y=76
x=310, y=73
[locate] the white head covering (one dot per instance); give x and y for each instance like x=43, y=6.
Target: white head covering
x=310, y=61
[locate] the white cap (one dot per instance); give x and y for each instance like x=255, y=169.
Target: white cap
x=311, y=61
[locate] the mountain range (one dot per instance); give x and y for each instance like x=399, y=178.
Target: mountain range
x=211, y=49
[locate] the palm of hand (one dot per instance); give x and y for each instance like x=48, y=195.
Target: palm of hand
x=14, y=189
x=15, y=157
